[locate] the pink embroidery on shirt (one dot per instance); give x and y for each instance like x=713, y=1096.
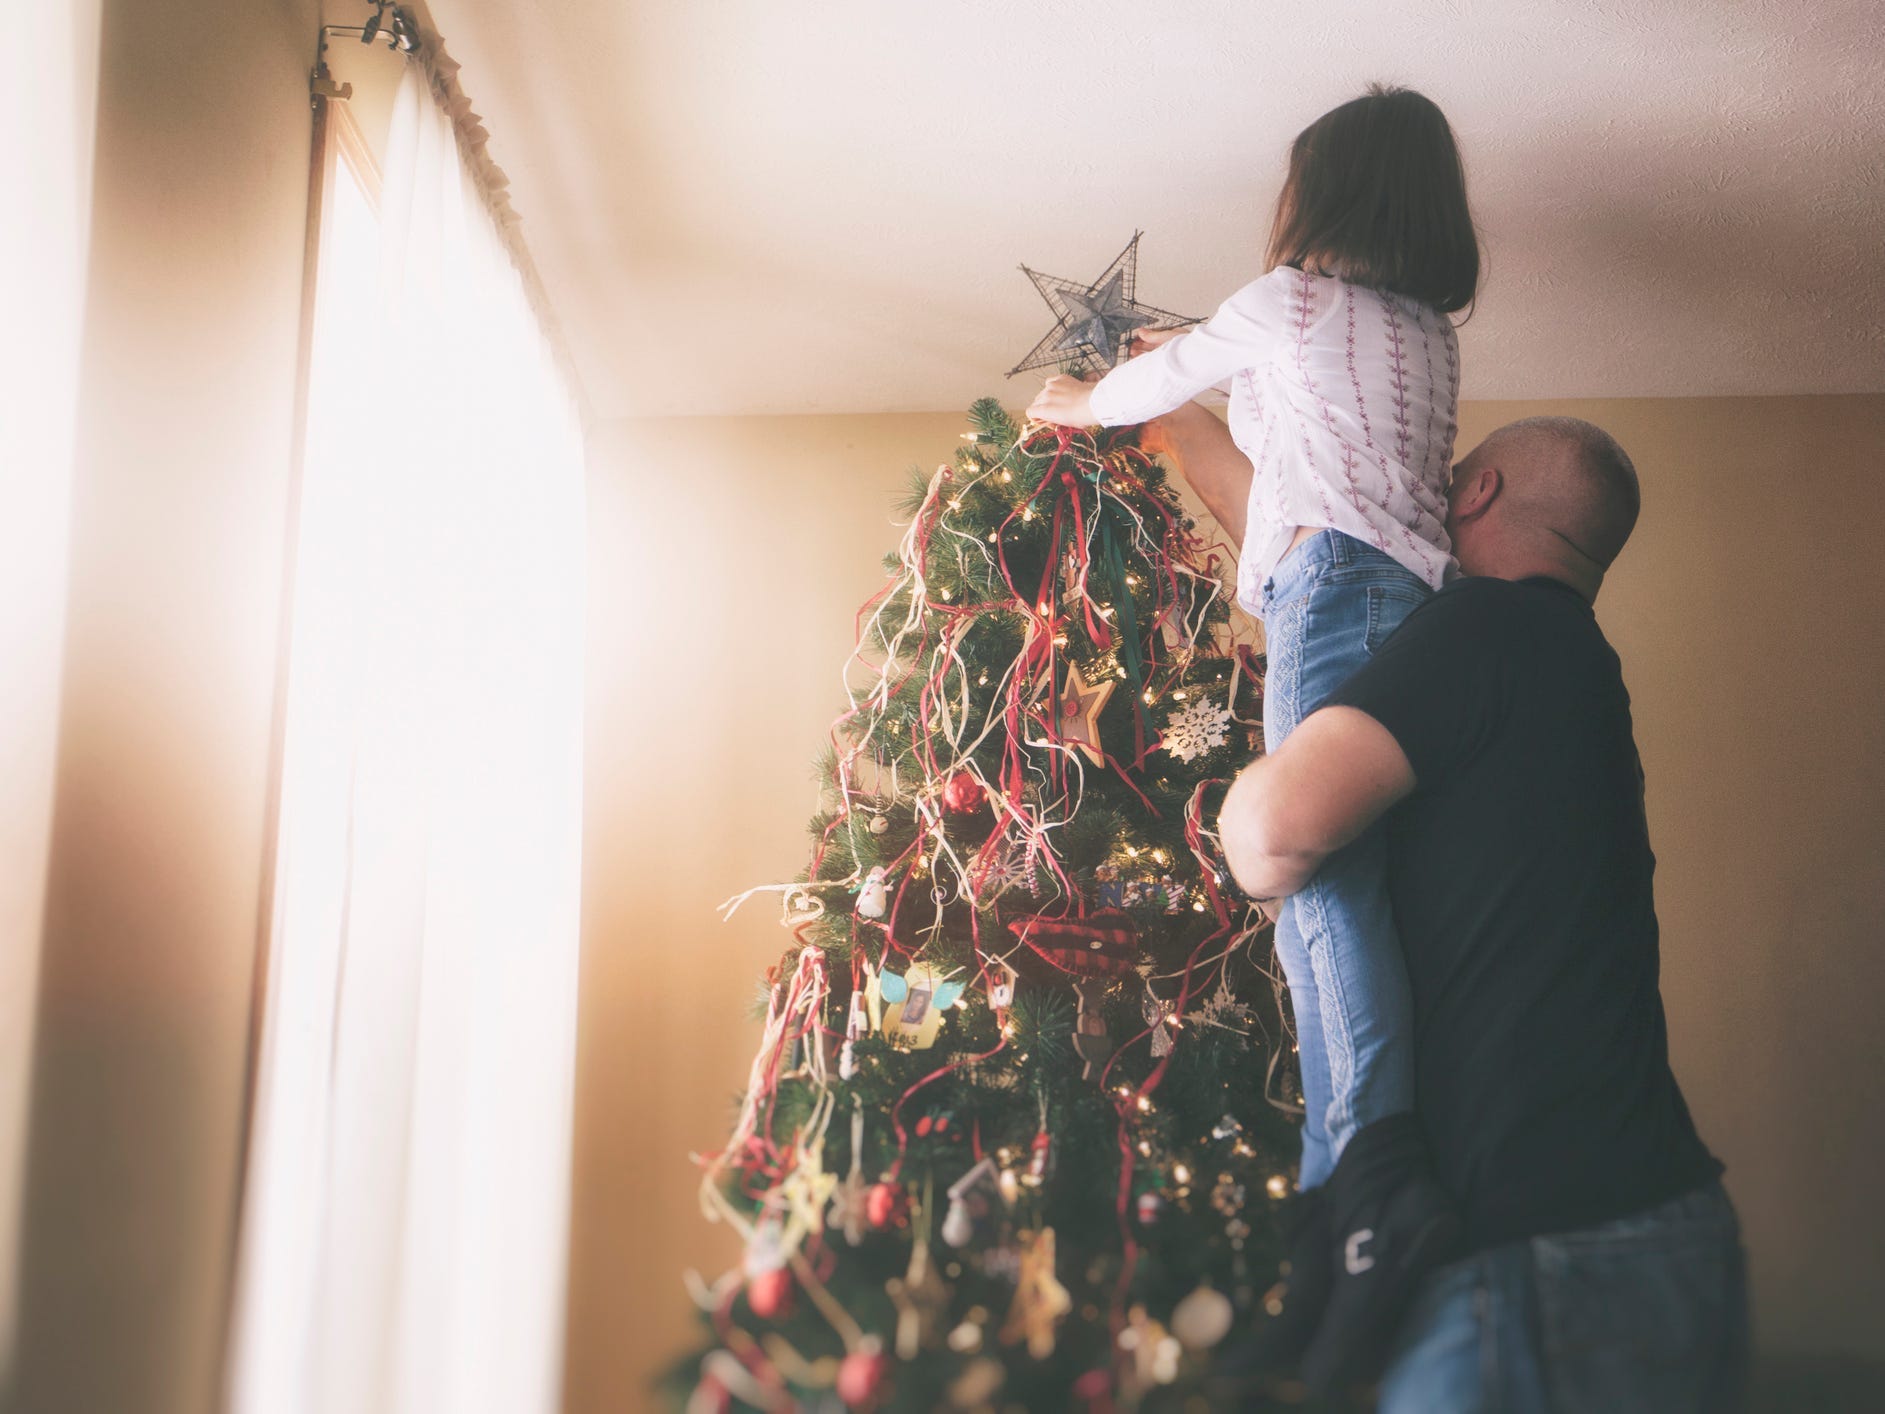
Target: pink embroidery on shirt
x=1361, y=414
x=1451, y=345
x=1327, y=410
x=1301, y=297
x=1265, y=477
x=1397, y=350
x=1354, y=382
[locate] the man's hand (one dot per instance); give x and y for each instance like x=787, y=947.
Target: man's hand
x=1064, y=400
x=1337, y=774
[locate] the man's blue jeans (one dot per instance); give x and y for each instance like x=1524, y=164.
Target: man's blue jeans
x=1329, y=605
x=1645, y=1315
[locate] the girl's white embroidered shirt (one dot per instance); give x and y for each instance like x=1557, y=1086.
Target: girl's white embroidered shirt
x=1343, y=397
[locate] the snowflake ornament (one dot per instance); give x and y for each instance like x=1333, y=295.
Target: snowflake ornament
x=1195, y=729
x=1222, y=1008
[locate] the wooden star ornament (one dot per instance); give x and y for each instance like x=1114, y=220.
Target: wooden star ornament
x=805, y=1192
x=1080, y=706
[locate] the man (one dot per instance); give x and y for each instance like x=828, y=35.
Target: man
x=1603, y=1267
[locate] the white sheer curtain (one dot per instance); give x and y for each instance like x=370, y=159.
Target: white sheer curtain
x=406, y=1208
x=48, y=109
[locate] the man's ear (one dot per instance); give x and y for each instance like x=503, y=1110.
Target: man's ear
x=1474, y=494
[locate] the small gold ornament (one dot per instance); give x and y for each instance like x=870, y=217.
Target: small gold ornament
x=850, y=1197
x=1153, y=1350
x=921, y=1298
x=1040, y=1301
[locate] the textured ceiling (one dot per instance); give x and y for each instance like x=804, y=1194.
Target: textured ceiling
x=748, y=206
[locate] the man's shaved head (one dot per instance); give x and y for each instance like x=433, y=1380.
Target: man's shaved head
x=1574, y=478
x=1554, y=490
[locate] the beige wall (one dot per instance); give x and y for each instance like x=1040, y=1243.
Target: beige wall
x=726, y=562
x=729, y=557
x=161, y=792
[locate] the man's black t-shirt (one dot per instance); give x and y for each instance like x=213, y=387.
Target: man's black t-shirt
x=1520, y=870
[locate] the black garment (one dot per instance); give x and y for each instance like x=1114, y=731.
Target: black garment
x=1520, y=871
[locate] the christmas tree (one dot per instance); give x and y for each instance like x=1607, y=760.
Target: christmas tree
x=1018, y=1128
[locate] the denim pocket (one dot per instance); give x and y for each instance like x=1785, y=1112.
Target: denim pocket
x=1646, y=1320
x=1388, y=605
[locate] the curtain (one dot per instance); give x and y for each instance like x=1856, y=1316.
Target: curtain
x=48, y=108
x=407, y=1200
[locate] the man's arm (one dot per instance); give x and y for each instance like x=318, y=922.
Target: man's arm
x=1198, y=441
x=1334, y=776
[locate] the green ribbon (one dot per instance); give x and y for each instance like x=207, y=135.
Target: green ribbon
x=1131, y=656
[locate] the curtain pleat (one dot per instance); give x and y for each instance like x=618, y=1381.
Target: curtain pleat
x=405, y=1244
x=48, y=113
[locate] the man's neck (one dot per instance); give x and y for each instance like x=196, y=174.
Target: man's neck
x=1521, y=563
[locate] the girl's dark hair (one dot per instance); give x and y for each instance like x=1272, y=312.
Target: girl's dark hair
x=1376, y=196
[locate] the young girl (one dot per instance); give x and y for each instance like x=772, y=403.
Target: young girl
x=1344, y=378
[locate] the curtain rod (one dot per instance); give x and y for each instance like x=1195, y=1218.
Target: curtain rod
x=413, y=39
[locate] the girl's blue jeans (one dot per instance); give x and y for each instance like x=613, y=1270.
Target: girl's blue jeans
x=1327, y=607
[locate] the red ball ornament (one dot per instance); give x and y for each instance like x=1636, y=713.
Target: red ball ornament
x=861, y=1376
x=963, y=794
x=770, y=1294
x=883, y=1205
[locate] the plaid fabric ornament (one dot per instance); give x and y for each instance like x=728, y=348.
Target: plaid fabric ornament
x=1104, y=945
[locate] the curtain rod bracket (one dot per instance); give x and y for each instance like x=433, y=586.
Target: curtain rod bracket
x=394, y=24
x=321, y=86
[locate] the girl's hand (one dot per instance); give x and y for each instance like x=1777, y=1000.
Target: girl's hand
x=1065, y=401
x=1145, y=340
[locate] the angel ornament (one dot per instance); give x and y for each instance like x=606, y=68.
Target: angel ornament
x=1161, y=1016
x=908, y=1007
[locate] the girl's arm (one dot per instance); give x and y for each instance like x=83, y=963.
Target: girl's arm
x=1191, y=435
x=1244, y=333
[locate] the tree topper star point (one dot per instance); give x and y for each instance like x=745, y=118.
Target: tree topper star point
x=1094, y=322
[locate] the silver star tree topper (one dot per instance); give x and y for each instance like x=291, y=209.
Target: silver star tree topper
x=1094, y=321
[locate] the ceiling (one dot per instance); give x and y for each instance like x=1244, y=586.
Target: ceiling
x=742, y=206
